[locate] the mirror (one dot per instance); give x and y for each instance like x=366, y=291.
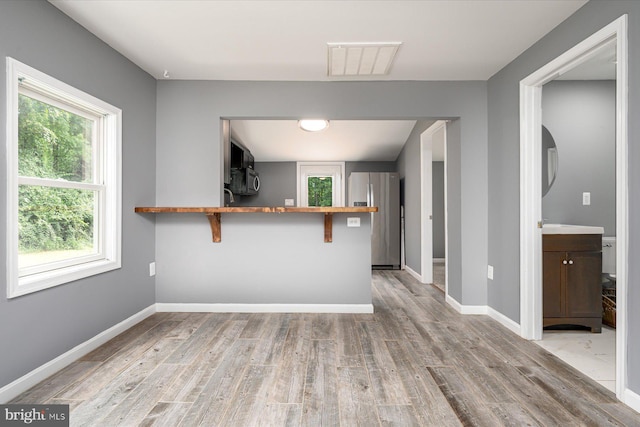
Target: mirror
x=549, y=160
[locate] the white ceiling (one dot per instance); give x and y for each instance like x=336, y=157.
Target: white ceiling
x=287, y=40
x=343, y=140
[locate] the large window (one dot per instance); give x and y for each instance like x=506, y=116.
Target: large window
x=63, y=186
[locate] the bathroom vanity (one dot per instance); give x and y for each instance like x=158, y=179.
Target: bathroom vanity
x=572, y=269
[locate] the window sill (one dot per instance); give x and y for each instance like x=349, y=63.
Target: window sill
x=48, y=279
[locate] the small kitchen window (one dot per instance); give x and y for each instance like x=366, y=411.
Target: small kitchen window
x=321, y=184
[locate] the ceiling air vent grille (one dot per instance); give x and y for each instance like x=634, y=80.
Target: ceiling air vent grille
x=360, y=59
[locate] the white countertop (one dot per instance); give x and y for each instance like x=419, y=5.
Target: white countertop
x=571, y=229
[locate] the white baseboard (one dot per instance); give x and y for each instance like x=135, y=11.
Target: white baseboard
x=413, y=273
x=41, y=373
x=466, y=309
x=483, y=309
x=631, y=399
x=265, y=308
x=453, y=303
x=504, y=321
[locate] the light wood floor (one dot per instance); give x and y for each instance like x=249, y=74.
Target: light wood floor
x=414, y=362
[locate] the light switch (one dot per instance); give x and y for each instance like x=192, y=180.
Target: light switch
x=288, y=202
x=586, y=198
x=490, y=272
x=152, y=269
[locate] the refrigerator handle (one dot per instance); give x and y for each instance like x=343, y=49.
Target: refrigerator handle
x=371, y=203
x=370, y=196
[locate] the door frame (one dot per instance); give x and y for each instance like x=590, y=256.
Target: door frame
x=426, y=201
x=531, y=192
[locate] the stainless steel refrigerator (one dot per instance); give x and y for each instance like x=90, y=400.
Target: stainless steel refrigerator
x=381, y=189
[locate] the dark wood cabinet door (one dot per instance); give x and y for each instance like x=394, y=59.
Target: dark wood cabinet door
x=584, y=284
x=553, y=292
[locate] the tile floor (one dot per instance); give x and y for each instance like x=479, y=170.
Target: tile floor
x=592, y=354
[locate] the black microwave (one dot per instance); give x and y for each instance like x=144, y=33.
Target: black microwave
x=241, y=157
x=244, y=182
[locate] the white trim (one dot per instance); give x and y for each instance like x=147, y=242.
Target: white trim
x=413, y=273
x=530, y=213
x=25, y=382
x=631, y=399
x=106, y=183
x=339, y=181
x=446, y=218
x=426, y=202
x=426, y=239
x=622, y=205
x=504, y=320
x=466, y=309
x=263, y=308
x=530, y=192
x=484, y=310
x=59, y=183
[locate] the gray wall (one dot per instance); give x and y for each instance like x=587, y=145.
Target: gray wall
x=456, y=249
x=438, y=209
x=409, y=170
x=263, y=259
x=503, y=101
x=581, y=116
x=369, y=167
x=278, y=181
x=38, y=327
x=189, y=149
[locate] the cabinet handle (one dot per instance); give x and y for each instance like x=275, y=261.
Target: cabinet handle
x=564, y=262
x=570, y=261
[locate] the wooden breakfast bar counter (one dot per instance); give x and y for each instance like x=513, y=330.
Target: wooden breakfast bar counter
x=214, y=213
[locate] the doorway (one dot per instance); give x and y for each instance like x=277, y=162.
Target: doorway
x=531, y=192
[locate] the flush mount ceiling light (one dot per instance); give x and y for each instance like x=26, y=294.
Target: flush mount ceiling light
x=360, y=59
x=313, y=125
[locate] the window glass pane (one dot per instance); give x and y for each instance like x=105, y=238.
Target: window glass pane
x=53, y=143
x=54, y=224
x=320, y=190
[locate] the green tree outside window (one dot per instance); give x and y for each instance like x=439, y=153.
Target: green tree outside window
x=54, y=144
x=320, y=191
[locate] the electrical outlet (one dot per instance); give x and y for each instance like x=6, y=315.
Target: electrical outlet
x=152, y=269
x=353, y=222
x=288, y=202
x=586, y=199
x=490, y=272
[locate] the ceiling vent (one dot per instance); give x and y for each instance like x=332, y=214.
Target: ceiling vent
x=360, y=59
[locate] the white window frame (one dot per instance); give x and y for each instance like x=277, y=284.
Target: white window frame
x=107, y=182
x=336, y=170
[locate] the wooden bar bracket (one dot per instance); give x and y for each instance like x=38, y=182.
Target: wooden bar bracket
x=328, y=227
x=216, y=229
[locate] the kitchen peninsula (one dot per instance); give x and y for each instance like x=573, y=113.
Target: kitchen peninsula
x=284, y=266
